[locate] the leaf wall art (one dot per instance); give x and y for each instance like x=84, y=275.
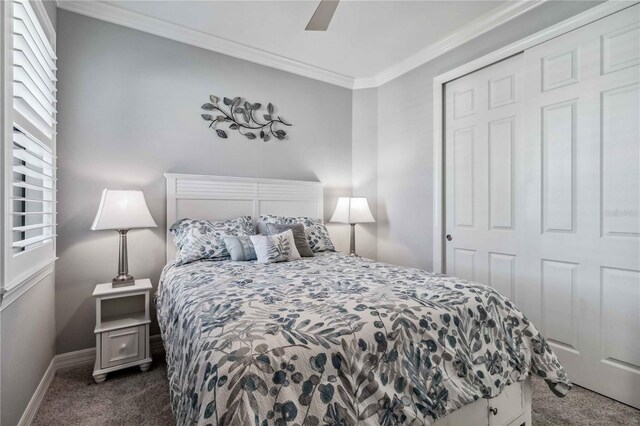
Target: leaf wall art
x=245, y=117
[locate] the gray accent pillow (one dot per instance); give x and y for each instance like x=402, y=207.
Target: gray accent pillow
x=240, y=248
x=314, y=229
x=262, y=228
x=275, y=248
x=298, y=236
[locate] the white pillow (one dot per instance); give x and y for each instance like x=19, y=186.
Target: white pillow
x=275, y=248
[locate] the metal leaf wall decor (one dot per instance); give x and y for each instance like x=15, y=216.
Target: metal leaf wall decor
x=242, y=117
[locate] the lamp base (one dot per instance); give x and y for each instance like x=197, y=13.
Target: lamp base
x=352, y=248
x=123, y=281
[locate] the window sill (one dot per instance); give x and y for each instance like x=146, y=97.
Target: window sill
x=26, y=282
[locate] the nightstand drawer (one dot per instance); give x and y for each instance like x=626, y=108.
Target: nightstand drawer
x=123, y=346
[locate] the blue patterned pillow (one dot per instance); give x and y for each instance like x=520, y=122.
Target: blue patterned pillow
x=240, y=248
x=204, y=239
x=314, y=229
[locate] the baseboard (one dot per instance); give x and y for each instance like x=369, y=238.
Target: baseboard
x=75, y=358
x=32, y=408
x=69, y=360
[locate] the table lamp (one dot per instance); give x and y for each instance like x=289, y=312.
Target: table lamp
x=352, y=210
x=122, y=211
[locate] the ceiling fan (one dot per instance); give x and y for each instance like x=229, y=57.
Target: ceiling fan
x=322, y=16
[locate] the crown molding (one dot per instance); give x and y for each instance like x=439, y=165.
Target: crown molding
x=137, y=21
x=117, y=15
x=481, y=25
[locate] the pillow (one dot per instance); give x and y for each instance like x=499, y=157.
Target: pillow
x=261, y=227
x=314, y=229
x=275, y=248
x=240, y=248
x=204, y=239
x=298, y=236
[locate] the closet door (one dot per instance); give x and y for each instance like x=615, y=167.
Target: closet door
x=542, y=194
x=482, y=145
x=583, y=201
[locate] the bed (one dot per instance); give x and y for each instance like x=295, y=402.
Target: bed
x=333, y=339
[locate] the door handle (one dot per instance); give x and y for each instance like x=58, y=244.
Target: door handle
x=449, y=237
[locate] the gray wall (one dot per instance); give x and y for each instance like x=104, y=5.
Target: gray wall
x=365, y=165
x=27, y=336
x=129, y=110
x=405, y=138
x=28, y=346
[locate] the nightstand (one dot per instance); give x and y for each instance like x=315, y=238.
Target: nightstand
x=122, y=328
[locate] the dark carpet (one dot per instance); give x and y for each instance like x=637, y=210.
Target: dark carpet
x=130, y=397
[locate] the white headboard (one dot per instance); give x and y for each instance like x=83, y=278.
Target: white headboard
x=224, y=197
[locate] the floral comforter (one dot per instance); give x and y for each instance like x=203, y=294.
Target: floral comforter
x=338, y=340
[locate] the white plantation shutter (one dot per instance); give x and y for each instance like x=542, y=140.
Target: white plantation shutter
x=34, y=68
x=32, y=200
x=32, y=177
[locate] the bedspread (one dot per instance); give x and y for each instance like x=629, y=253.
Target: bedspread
x=338, y=340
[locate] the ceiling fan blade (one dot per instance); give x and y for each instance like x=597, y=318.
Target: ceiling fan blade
x=322, y=16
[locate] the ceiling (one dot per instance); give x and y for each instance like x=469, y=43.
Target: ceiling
x=365, y=38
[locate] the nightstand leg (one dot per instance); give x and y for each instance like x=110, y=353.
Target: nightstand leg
x=145, y=367
x=99, y=378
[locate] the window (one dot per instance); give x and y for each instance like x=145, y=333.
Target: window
x=30, y=141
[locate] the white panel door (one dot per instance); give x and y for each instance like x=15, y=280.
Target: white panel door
x=542, y=198
x=483, y=130
x=583, y=196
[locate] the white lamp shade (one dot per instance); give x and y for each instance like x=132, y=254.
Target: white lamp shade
x=122, y=210
x=352, y=210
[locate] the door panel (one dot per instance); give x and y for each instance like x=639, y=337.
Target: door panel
x=465, y=263
x=501, y=173
x=463, y=159
x=542, y=194
x=620, y=48
x=502, y=274
x=560, y=302
x=558, y=159
x=621, y=315
x=620, y=154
